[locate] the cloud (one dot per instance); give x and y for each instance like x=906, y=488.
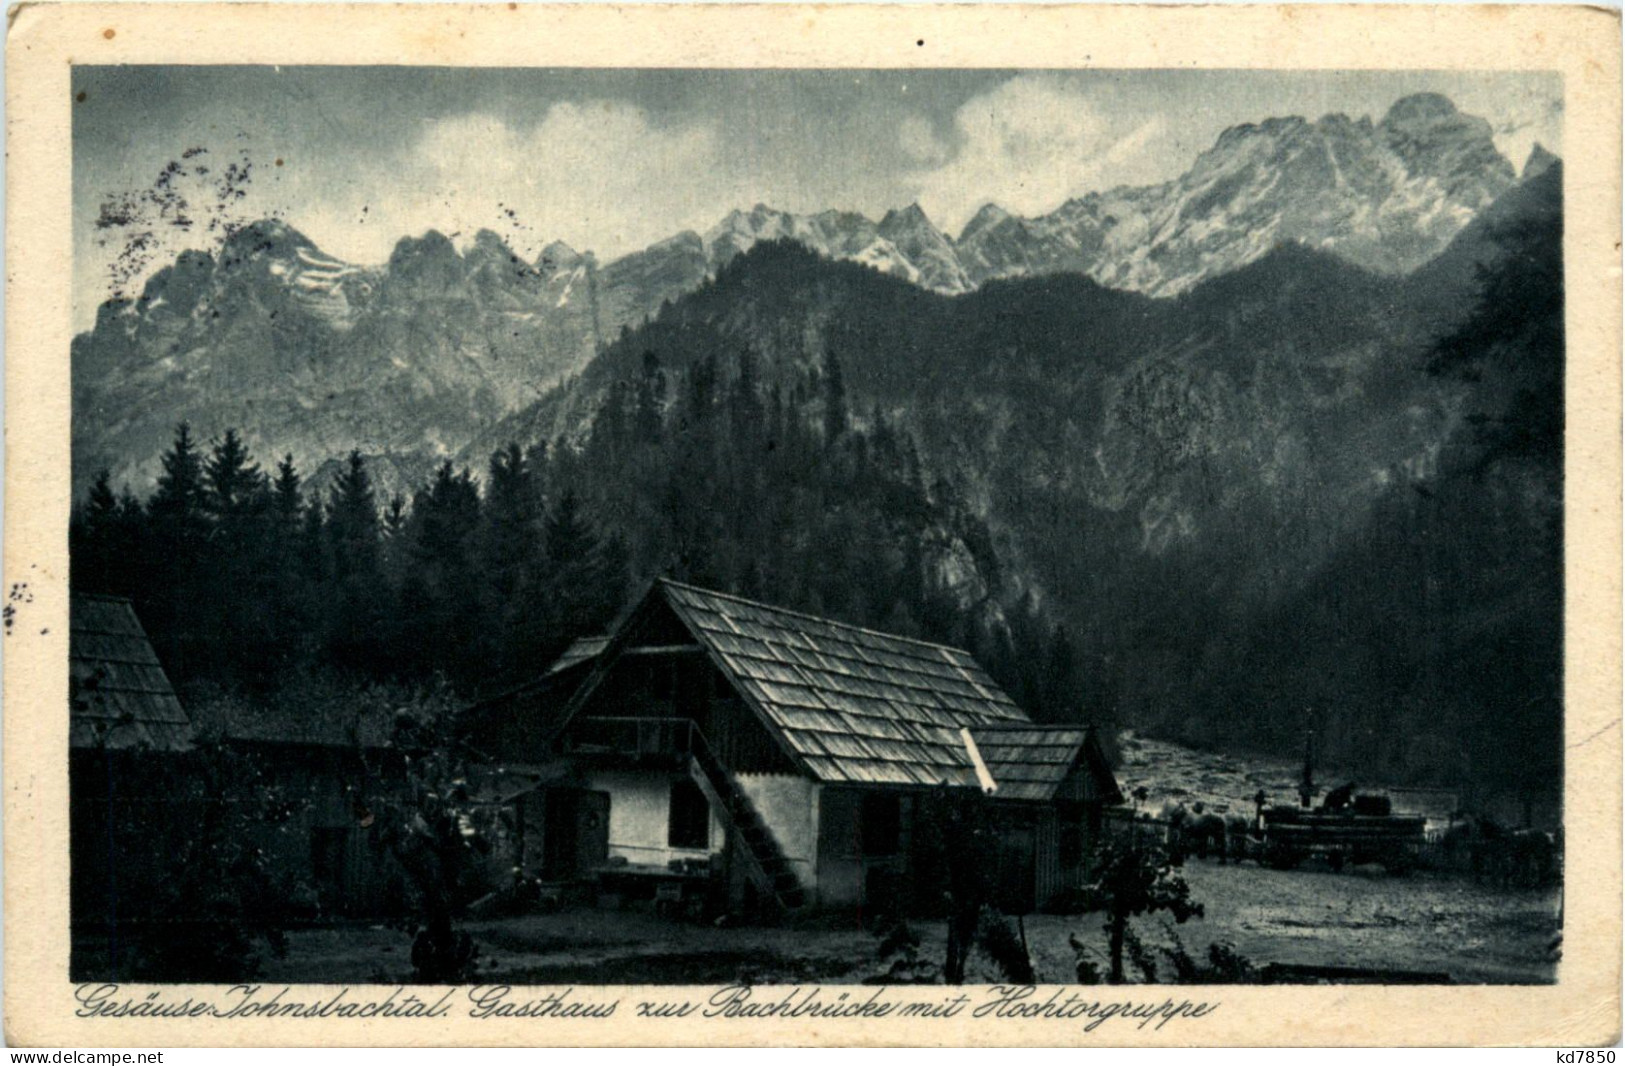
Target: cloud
x=1030, y=143
x=919, y=141
x=600, y=175
x=1526, y=124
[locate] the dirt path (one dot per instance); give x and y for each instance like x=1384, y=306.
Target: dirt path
x=1362, y=919
x=1307, y=917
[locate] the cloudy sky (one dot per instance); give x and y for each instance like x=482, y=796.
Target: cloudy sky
x=611, y=161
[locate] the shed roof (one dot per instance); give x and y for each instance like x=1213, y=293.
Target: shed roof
x=850, y=705
x=118, y=694
x=1029, y=762
x=581, y=650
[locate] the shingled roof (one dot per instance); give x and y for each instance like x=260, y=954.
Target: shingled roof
x=1029, y=762
x=581, y=650
x=118, y=694
x=850, y=705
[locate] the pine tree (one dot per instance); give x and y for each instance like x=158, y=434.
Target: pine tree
x=570, y=541
x=442, y=594
x=512, y=529
x=286, y=494
x=95, y=540
x=232, y=480
x=1060, y=687
x=178, y=527
x=238, y=574
x=352, y=521
x=177, y=507
x=511, y=546
x=394, y=520
x=835, y=413
x=356, y=604
x=101, y=511
x=315, y=549
x=651, y=399
x=584, y=578
x=293, y=594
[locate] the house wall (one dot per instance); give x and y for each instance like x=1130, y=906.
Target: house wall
x=844, y=872
x=788, y=803
x=640, y=816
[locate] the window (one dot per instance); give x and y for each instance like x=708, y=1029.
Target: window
x=690, y=823
x=881, y=823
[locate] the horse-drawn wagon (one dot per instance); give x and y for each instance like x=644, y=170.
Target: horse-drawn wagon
x=1346, y=836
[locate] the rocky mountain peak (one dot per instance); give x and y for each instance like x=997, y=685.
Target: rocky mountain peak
x=267, y=245
x=1539, y=162
x=1434, y=140
x=1420, y=109
x=989, y=216
x=557, y=256
x=432, y=246
x=1388, y=196
x=268, y=236
x=911, y=217
x=489, y=242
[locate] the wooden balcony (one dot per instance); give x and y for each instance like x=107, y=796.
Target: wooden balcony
x=631, y=741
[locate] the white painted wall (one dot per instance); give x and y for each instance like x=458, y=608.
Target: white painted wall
x=640, y=816
x=788, y=803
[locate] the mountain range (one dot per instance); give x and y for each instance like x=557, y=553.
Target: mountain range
x=1197, y=418
x=415, y=358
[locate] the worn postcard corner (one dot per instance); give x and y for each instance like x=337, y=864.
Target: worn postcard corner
x=781, y=525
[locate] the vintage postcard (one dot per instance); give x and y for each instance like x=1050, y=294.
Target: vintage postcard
x=836, y=525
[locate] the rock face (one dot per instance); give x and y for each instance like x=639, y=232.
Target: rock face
x=314, y=356
x=904, y=244
x=1387, y=196
x=311, y=355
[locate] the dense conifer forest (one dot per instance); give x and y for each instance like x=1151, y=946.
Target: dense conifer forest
x=250, y=580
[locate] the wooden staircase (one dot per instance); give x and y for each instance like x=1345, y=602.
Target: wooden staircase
x=765, y=860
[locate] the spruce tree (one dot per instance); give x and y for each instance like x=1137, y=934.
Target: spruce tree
x=293, y=593
x=178, y=528
x=95, y=535
x=394, y=520
x=238, y=575
x=835, y=412
x=177, y=506
x=1060, y=687
x=356, y=604
x=651, y=399
x=352, y=521
x=287, y=497
x=232, y=480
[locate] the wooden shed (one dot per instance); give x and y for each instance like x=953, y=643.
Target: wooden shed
x=129, y=739
x=119, y=698
x=1053, y=784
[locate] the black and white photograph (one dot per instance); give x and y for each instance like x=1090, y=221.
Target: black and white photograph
x=729, y=527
